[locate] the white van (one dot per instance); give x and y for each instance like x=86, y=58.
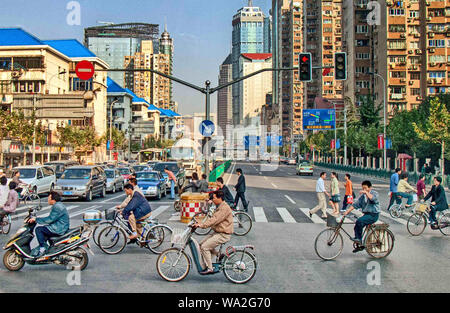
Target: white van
x=41, y=178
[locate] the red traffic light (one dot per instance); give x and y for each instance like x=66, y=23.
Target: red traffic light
x=305, y=58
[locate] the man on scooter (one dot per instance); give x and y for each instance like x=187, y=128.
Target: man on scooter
x=222, y=225
x=57, y=223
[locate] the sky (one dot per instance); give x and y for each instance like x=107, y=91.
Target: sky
x=201, y=30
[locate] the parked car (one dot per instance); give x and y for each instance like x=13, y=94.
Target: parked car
x=82, y=182
x=114, y=181
x=174, y=167
x=140, y=168
x=305, y=167
x=125, y=172
x=60, y=166
x=152, y=184
x=40, y=178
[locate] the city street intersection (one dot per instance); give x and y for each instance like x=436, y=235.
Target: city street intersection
x=283, y=235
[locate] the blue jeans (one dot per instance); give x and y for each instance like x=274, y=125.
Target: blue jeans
x=172, y=189
x=43, y=234
x=366, y=219
x=406, y=196
x=394, y=198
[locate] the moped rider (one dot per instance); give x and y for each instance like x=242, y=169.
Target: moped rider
x=222, y=224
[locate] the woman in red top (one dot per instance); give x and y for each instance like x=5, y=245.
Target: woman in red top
x=421, y=189
x=348, y=191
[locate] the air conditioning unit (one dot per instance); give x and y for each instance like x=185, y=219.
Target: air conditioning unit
x=429, y=81
x=428, y=19
x=402, y=80
x=402, y=35
x=432, y=50
x=431, y=35
x=432, y=64
x=418, y=51
x=416, y=35
x=392, y=65
x=410, y=52
x=439, y=80
x=389, y=3
x=411, y=82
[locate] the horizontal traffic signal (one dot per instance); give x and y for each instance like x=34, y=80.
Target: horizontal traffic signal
x=340, y=66
x=305, y=67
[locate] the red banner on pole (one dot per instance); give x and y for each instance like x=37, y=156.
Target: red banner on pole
x=333, y=144
x=380, y=141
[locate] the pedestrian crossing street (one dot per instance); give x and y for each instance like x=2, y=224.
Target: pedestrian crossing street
x=259, y=214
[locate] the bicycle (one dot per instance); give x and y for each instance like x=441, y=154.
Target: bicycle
x=153, y=236
x=5, y=224
x=242, y=221
x=418, y=221
x=237, y=263
x=29, y=197
x=396, y=210
x=378, y=240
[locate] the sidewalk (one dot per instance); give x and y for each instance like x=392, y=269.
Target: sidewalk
x=385, y=180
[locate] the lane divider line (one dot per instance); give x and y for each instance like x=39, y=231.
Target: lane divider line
x=289, y=198
x=159, y=210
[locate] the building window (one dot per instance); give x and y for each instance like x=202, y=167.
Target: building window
x=415, y=91
x=80, y=85
x=29, y=63
x=396, y=12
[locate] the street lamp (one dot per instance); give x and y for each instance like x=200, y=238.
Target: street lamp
x=110, y=125
x=384, y=117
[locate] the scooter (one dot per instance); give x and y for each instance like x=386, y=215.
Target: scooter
x=238, y=263
x=63, y=250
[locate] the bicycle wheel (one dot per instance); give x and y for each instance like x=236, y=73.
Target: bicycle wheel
x=158, y=238
x=444, y=224
x=242, y=223
x=98, y=229
x=173, y=264
x=201, y=218
x=416, y=224
x=329, y=244
x=32, y=200
x=379, y=243
x=112, y=240
x=5, y=224
x=395, y=211
x=239, y=267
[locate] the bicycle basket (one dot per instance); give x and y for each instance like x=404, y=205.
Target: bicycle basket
x=179, y=236
x=421, y=208
x=110, y=214
x=381, y=226
x=331, y=221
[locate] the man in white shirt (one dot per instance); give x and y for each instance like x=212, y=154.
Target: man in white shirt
x=321, y=192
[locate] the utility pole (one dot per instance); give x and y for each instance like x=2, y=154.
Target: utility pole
x=34, y=131
x=207, y=117
x=345, y=133
x=335, y=134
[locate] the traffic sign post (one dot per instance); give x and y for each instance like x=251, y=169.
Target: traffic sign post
x=207, y=128
x=85, y=70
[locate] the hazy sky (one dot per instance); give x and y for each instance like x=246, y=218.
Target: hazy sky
x=201, y=30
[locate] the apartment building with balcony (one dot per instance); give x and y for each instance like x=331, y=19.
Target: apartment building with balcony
x=413, y=54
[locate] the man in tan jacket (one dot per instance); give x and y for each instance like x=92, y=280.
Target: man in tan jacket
x=222, y=225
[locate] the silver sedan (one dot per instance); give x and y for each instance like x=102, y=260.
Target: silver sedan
x=114, y=181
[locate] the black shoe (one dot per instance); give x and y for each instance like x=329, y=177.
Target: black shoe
x=434, y=226
x=358, y=248
x=132, y=241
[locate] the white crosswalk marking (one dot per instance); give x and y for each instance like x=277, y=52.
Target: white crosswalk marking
x=285, y=215
x=159, y=210
x=316, y=219
x=260, y=217
x=114, y=198
x=399, y=220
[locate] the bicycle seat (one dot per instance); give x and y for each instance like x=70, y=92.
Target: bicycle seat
x=68, y=234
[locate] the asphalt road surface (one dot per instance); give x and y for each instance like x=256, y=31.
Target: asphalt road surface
x=283, y=235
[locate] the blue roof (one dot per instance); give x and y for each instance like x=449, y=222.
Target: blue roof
x=136, y=99
x=169, y=113
x=18, y=37
x=114, y=87
x=70, y=47
x=151, y=107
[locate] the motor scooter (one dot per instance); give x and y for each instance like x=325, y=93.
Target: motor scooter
x=62, y=250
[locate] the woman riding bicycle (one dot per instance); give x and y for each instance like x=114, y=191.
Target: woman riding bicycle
x=370, y=205
x=404, y=189
x=11, y=203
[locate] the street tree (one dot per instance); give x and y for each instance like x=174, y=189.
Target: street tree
x=436, y=128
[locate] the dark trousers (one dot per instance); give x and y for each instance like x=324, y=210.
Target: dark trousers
x=43, y=234
x=394, y=197
x=363, y=221
x=344, y=204
x=241, y=195
x=432, y=216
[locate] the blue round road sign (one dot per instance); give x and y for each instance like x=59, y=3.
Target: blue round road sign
x=207, y=128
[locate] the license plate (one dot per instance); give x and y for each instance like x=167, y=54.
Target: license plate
x=67, y=193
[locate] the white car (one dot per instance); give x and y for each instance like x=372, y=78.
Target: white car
x=41, y=178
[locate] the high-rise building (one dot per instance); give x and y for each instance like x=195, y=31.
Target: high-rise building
x=251, y=34
x=113, y=42
x=412, y=52
x=253, y=91
x=224, y=99
x=154, y=88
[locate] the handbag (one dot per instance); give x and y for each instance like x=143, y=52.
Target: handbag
x=350, y=199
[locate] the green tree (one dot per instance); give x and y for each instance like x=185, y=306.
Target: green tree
x=23, y=129
x=6, y=128
x=369, y=112
x=436, y=128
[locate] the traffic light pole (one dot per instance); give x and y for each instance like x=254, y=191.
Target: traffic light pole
x=207, y=90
